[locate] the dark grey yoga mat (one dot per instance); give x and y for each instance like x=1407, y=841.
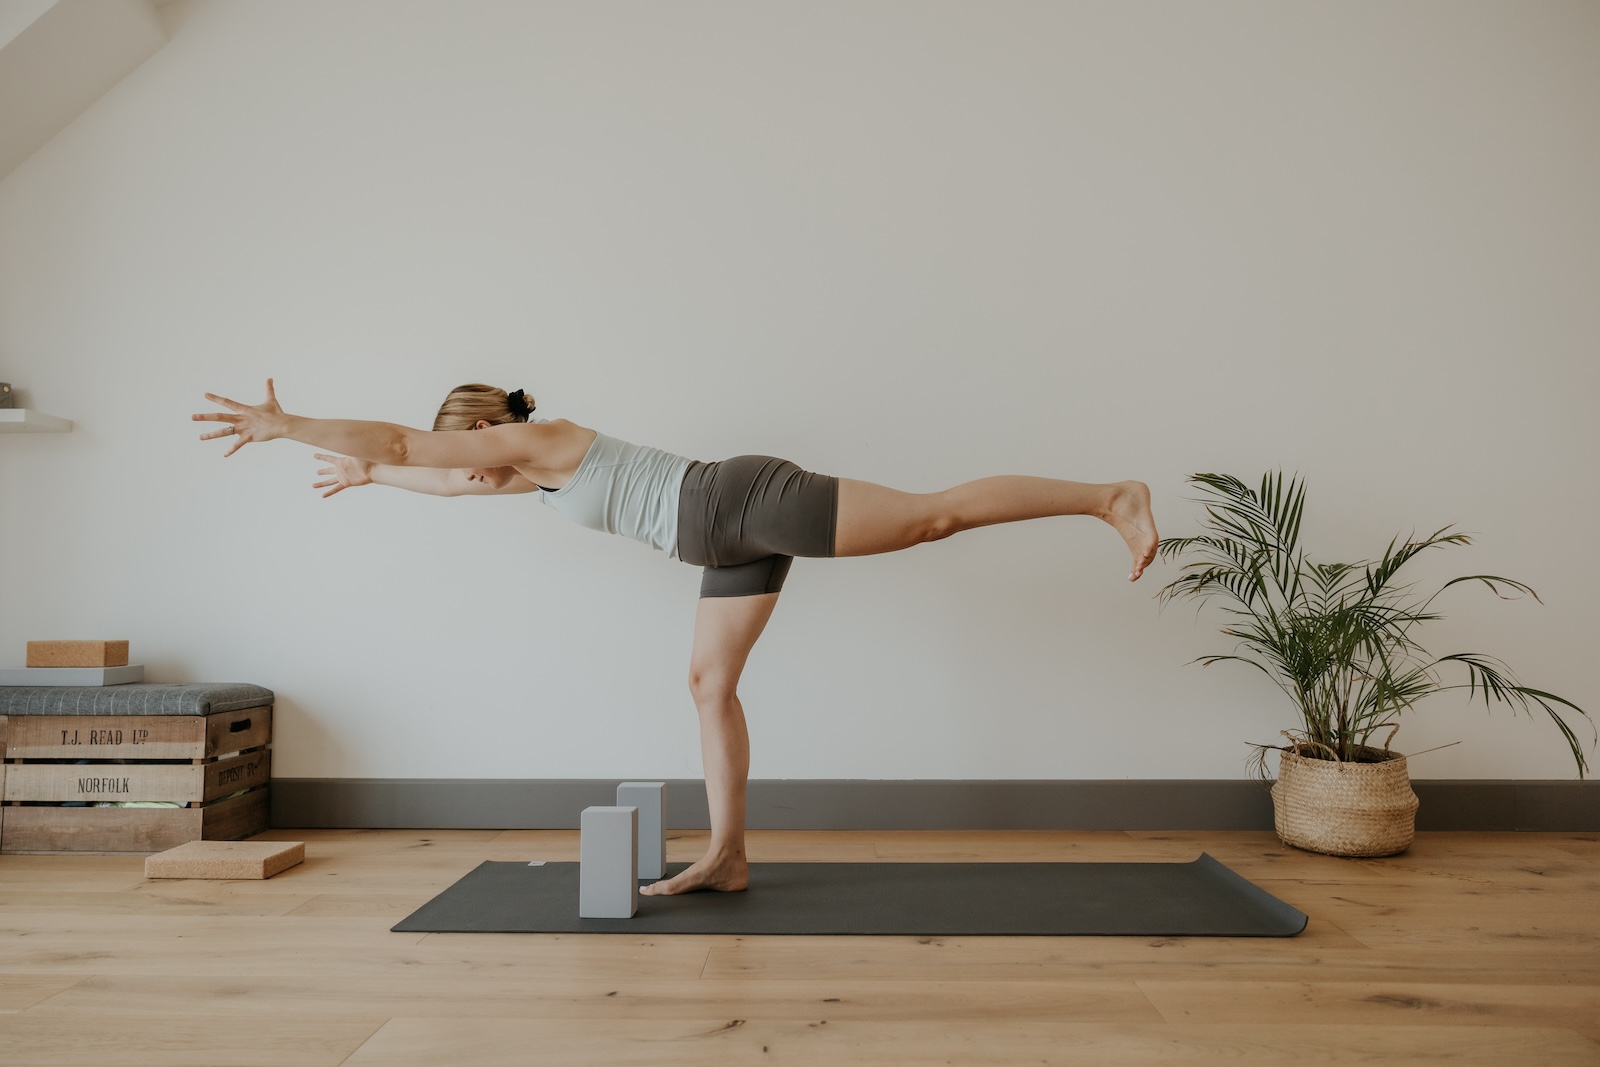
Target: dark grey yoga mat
x=1201, y=898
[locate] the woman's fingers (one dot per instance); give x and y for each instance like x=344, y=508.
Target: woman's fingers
x=337, y=476
x=225, y=402
x=231, y=430
x=242, y=438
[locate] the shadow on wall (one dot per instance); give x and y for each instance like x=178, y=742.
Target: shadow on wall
x=291, y=719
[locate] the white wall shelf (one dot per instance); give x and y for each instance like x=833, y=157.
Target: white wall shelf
x=23, y=420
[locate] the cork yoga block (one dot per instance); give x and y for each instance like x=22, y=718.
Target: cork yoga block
x=77, y=653
x=225, y=859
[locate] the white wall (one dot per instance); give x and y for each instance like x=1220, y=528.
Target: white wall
x=57, y=57
x=909, y=242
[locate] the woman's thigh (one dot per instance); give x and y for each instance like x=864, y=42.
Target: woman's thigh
x=874, y=518
x=725, y=630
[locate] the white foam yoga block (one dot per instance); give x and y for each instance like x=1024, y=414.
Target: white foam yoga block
x=608, y=863
x=650, y=799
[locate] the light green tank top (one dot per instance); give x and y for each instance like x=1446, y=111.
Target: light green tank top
x=625, y=489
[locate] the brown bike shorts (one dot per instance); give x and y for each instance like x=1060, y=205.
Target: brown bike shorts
x=745, y=519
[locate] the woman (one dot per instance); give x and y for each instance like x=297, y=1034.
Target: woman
x=743, y=520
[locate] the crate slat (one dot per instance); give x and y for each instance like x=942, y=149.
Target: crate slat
x=57, y=829
x=139, y=737
x=169, y=782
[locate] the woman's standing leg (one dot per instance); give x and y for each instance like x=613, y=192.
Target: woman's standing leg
x=874, y=518
x=725, y=630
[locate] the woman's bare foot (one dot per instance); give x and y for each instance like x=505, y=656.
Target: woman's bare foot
x=1129, y=512
x=722, y=873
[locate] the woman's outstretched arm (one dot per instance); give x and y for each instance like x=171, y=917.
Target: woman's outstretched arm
x=344, y=472
x=378, y=442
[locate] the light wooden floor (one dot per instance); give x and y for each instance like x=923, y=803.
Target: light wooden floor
x=1470, y=949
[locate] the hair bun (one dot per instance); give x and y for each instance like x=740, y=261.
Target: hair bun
x=519, y=404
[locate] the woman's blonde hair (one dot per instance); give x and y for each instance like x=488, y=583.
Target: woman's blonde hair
x=467, y=405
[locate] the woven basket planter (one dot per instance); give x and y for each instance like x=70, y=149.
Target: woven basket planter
x=1344, y=809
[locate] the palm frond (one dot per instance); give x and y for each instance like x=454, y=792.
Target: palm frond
x=1493, y=581
x=1494, y=680
x=1395, y=558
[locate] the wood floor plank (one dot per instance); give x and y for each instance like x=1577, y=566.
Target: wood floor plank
x=1322, y=950
x=357, y=842
x=21, y=991
x=1575, y=1007
x=109, y=873
x=490, y=1043
x=1485, y=917
x=137, y=902
x=1512, y=859
x=178, y=1039
x=360, y=953
x=514, y=995
x=1578, y=844
x=202, y=932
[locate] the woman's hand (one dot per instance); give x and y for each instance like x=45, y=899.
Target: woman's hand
x=260, y=423
x=346, y=473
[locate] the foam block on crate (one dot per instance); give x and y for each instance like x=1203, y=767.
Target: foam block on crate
x=77, y=653
x=225, y=859
x=71, y=677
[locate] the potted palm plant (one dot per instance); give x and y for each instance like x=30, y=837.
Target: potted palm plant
x=1340, y=640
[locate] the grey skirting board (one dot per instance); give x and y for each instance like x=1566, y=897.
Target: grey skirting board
x=825, y=804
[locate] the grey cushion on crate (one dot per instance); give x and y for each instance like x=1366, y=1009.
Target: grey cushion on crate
x=137, y=698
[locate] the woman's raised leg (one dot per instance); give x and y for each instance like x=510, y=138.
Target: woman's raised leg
x=725, y=630
x=874, y=518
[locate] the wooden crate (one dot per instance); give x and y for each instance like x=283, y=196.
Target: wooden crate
x=60, y=772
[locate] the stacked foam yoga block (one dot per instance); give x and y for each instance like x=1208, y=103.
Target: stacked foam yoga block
x=617, y=847
x=74, y=663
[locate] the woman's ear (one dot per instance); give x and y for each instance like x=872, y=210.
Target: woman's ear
x=482, y=424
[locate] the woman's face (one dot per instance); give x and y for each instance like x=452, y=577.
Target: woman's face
x=493, y=477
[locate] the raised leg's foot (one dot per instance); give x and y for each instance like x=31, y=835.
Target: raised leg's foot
x=1130, y=513
x=718, y=872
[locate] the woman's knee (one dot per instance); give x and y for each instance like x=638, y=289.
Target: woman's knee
x=710, y=685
